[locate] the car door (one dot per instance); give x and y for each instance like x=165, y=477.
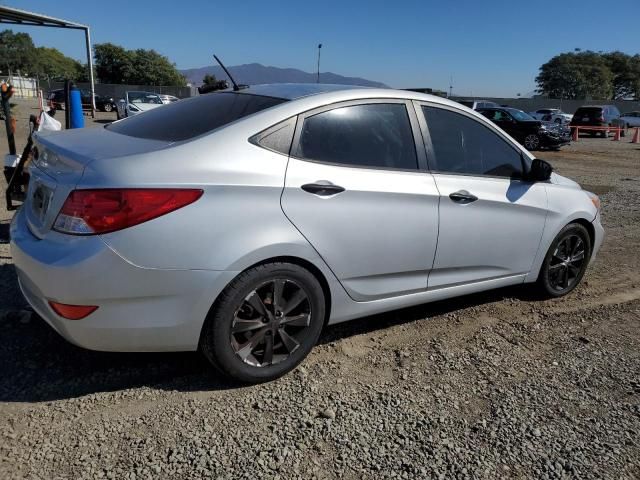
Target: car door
x=354, y=188
x=491, y=219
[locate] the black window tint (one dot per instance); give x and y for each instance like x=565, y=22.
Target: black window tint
x=372, y=135
x=463, y=145
x=191, y=117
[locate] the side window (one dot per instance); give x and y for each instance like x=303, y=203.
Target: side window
x=277, y=138
x=372, y=135
x=465, y=146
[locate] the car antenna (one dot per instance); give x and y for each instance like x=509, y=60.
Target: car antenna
x=236, y=87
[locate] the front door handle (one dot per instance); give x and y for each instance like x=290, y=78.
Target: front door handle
x=463, y=197
x=322, y=188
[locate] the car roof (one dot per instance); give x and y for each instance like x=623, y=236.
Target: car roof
x=293, y=91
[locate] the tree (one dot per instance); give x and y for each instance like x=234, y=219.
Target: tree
x=115, y=64
x=209, y=80
x=626, y=74
x=53, y=64
x=17, y=51
x=576, y=76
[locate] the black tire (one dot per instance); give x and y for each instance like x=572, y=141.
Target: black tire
x=107, y=107
x=226, y=348
x=547, y=282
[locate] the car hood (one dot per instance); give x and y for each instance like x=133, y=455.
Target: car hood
x=564, y=181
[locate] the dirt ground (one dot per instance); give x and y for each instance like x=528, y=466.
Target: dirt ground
x=495, y=385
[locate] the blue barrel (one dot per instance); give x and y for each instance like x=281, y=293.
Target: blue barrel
x=75, y=99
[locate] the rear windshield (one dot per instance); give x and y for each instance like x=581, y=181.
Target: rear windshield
x=466, y=103
x=589, y=111
x=191, y=117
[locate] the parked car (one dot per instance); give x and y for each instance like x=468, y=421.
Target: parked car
x=559, y=118
x=103, y=103
x=533, y=134
x=291, y=207
x=134, y=103
x=631, y=119
x=598, y=116
x=168, y=99
x=476, y=104
x=552, y=115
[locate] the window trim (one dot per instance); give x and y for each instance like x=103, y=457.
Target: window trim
x=418, y=104
x=421, y=160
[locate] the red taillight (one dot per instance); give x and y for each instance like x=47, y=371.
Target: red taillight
x=72, y=312
x=89, y=212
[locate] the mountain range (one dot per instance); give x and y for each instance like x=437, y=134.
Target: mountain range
x=255, y=74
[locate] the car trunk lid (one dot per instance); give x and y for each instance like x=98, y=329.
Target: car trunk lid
x=59, y=161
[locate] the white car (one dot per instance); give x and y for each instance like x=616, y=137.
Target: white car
x=300, y=205
x=552, y=115
x=631, y=119
x=134, y=103
x=168, y=99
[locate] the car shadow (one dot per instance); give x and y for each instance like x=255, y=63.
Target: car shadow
x=39, y=365
x=103, y=120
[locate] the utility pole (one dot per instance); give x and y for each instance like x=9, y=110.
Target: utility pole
x=450, y=86
x=318, y=76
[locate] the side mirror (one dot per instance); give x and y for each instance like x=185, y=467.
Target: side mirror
x=540, y=170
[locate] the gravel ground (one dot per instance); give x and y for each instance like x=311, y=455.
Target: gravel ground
x=496, y=385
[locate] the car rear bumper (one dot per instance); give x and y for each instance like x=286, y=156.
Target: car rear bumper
x=140, y=309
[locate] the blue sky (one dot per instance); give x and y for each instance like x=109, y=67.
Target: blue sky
x=490, y=47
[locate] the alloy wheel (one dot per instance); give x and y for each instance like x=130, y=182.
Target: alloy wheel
x=532, y=142
x=566, y=263
x=271, y=323
x=107, y=107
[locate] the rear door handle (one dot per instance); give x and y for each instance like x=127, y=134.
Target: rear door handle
x=322, y=188
x=462, y=196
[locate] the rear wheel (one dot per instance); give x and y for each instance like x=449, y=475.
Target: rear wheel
x=565, y=262
x=264, y=323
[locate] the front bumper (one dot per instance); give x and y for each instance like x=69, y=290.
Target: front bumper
x=551, y=140
x=598, y=237
x=140, y=309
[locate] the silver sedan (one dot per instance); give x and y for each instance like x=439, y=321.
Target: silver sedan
x=240, y=223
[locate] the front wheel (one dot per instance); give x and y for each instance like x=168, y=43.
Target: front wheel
x=532, y=142
x=108, y=107
x=264, y=323
x=566, y=261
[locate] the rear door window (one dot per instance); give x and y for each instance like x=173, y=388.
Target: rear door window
x=192, y=117
x=376, y=135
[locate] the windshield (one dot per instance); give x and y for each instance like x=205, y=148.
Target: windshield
x=519, y=114
x=192, y=117
x=144, y=97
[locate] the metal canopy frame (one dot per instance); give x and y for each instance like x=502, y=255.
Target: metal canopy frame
x=14, y=16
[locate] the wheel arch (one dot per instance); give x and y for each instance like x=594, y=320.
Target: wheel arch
x=315, y=271
x=304, y=263
x=589, y=227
